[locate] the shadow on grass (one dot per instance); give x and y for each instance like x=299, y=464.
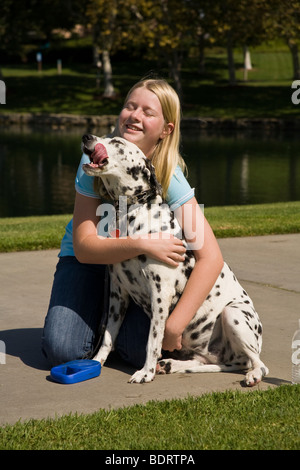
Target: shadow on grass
x=76, y=93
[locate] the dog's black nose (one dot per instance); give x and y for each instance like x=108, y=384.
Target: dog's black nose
x=86, y=138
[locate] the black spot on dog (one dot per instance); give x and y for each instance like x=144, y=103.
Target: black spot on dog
x=207, y=327
x=116, y=317
x=130, y=276
x=188, y=271
x=195, y=335
x=166, y=366
x=114, y=294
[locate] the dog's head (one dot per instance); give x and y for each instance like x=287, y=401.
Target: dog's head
x=120, y=164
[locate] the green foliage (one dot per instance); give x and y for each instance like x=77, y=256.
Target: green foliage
x=232, y=420
x=166, y=31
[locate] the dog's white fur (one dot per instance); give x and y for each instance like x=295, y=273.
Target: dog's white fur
x=225, y=333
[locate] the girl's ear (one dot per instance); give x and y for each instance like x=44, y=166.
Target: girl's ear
x=167, y=130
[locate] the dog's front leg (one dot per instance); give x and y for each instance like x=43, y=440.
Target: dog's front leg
x=118, y=303
x=155, y=339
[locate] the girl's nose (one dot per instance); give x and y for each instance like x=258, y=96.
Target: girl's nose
x=136, y=114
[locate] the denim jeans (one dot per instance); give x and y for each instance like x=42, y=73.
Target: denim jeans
x=75, y=312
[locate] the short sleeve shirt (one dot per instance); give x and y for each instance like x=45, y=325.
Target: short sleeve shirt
x=179, y=192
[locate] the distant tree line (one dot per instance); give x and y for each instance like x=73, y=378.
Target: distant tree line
x=167, y=31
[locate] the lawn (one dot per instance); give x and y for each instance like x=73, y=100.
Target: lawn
x=231, y=420
x=46, y=232
x=267, y=93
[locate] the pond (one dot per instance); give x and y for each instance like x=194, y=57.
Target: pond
x=38, y=169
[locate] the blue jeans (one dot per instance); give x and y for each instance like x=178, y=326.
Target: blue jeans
x=75, y=313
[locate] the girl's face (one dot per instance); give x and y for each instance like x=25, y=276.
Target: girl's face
x=141, y=120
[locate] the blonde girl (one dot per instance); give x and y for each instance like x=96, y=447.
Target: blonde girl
x=150, y=118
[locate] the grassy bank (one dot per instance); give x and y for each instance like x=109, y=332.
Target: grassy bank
x=266, y=93
x=46, y=232
x=232, y=420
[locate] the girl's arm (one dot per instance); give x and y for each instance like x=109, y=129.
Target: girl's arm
x=209, y=263
x=93, y=249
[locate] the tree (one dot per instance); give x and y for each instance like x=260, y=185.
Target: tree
x=112, y=24
x=285, y=23
x=165, y=32
x=229, y=23
x=15, y=22
x=18, y=18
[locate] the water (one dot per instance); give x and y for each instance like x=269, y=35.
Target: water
x=37, y=169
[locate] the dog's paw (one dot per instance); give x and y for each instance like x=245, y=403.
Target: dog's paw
x=141, y=376
x=254, y=376
x=163, y=367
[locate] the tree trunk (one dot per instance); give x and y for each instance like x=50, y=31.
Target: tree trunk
x=295, y=58
x=201, y=68
x=230, y=58
x=2, y=92
x=109, y=91
x=247, y=63
x=174, y=70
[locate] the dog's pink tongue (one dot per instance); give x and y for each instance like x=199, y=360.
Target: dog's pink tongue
x=99, y=154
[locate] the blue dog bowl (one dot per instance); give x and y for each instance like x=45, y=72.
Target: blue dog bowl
x=76, y=371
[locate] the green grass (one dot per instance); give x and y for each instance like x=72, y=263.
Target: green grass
x=32, y=233
x=45, y=232
x=232, y=420
x=253, y=220
x=267, y=93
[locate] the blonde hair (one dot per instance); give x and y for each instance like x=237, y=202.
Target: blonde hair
x=166, y=155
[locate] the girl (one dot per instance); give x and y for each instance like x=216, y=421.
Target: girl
x=150, y=119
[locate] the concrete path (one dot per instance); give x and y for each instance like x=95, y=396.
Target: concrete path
x=268, y=268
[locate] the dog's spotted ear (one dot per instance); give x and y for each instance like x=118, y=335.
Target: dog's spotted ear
x=151, y=176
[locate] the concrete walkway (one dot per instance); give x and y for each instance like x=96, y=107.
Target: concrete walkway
x=268, y=268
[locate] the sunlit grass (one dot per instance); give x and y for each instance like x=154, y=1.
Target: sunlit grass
x=232, y=420
x=45, y=232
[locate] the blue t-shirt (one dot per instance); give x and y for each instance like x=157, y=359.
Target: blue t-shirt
x=178, y=193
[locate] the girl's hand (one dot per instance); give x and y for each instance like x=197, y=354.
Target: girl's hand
x=172, y=338
x=163, y=247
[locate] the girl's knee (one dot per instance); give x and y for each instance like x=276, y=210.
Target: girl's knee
x=65, y=339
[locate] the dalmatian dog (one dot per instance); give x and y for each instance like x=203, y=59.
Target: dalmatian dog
x=225, y=334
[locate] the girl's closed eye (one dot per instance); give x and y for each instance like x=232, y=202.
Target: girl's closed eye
x=129, y=106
